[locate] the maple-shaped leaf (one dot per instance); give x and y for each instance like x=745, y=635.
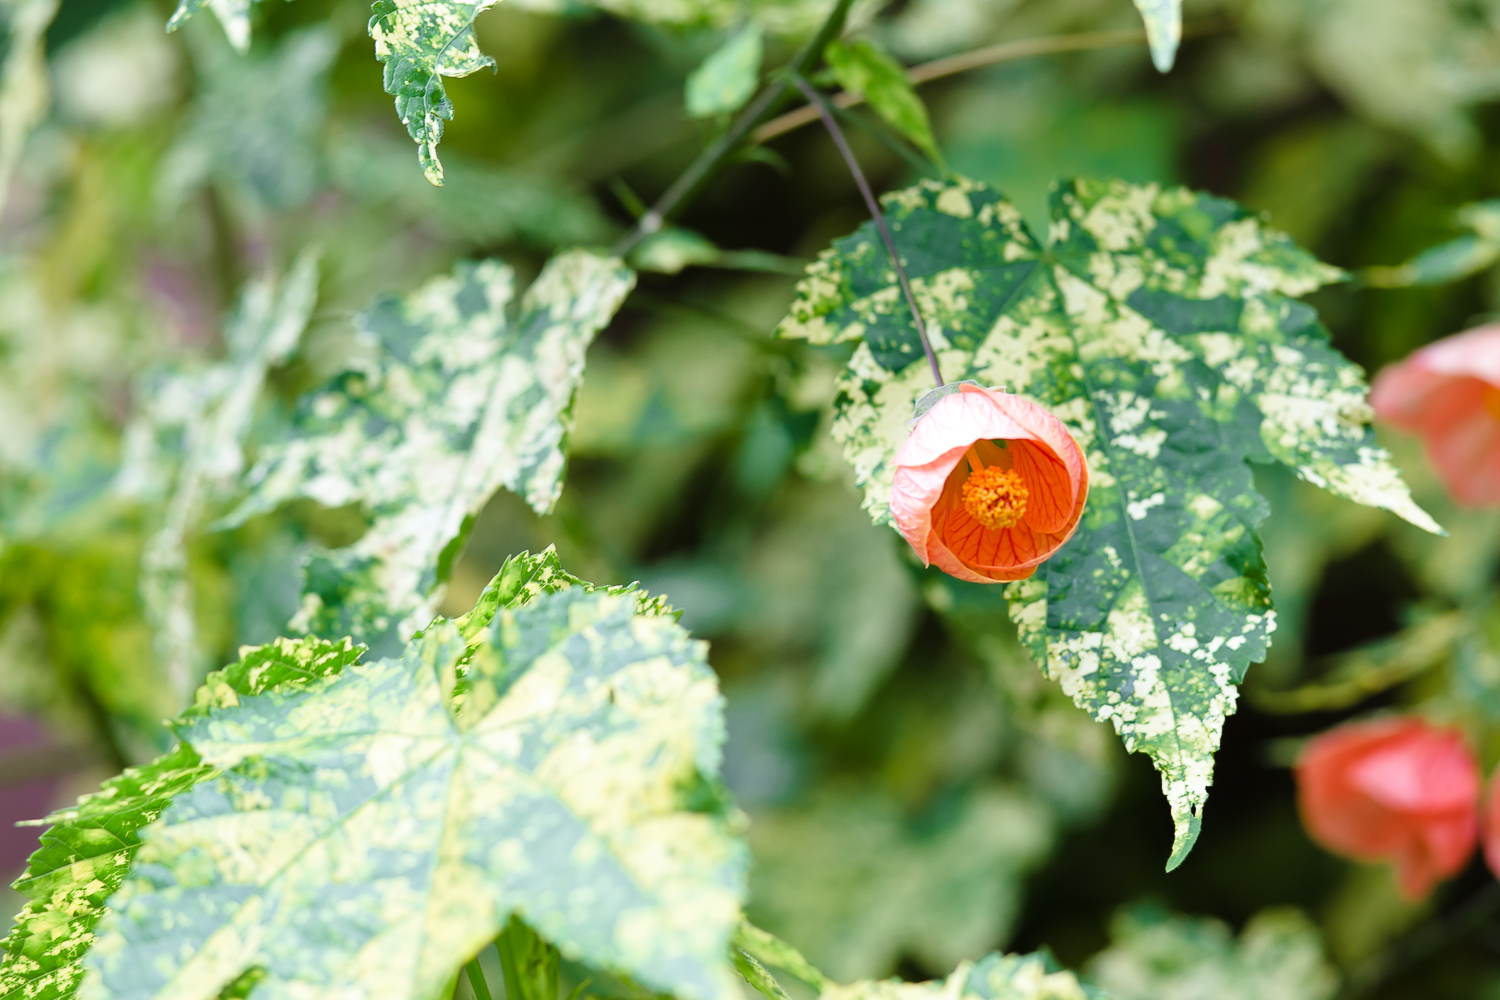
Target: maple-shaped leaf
x=457, y=401
x=364, y=839
x=420, y=42
x=85, y=855
x=1160, y=326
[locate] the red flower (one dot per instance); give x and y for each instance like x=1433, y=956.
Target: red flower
x=1397, y=790
x=988, y=485
x=1491, y=825
x=1449, y=393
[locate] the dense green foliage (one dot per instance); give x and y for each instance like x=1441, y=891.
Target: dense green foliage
x=273, y=397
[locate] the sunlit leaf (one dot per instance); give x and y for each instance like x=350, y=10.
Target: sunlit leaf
x=1154, y=956
x=188, y=443
x=85, y=855
x=363, y=840
x=421, y=42
x=727, y=78
x=1158, y=324
x=863, y=69
x=457, y=402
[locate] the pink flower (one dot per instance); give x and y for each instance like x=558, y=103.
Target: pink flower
x=988, y=485
x=1490, y=822
x=1398, y=790
x=1449, y=393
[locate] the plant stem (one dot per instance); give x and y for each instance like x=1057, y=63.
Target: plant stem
x=816, y=100
x=765, y=104
x=974, y=59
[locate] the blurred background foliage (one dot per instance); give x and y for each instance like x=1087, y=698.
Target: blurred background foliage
x=918, y=792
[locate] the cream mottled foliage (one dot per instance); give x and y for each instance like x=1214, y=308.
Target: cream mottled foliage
x=994, y=977
x=458, y=402
x=364, y=836
x=1159, y=325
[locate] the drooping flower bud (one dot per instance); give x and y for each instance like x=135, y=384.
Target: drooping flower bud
x=1397, y=790
x=988, y=485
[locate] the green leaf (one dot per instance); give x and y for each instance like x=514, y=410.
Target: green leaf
x=84, y=857
x=727, y=78
x=457, y=403
x=1158, y=325
x=993, y=977
x=25, y=94
x=189, y=439
x=1163, y=29
x=420, y=42
x=889, y=890
x=1154, y=956
x=865, y=70
x=258, y=123
x=363, y=840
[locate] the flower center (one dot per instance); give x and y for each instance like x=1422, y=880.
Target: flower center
x=995, y=497
x=1492, y=401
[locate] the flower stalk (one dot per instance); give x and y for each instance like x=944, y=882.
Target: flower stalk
x=816, y=100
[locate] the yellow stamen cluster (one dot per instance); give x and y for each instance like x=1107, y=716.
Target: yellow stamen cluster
x=995, y=497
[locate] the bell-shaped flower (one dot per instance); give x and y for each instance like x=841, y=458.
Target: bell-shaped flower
x=988, y=485
x=1396, y=790
x=1449, y=393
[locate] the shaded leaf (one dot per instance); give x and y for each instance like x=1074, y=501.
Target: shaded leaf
x=863, y=69
x=85, y=855
x=420, y=42
x=889, y=890
x=1157, y=957
x=456, y=403
x=727, y=78
x=190, y=438
x=1159, y=326
x=363, y=840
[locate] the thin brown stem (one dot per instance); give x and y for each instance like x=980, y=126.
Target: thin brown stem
x=965, y=61
x=815, y=100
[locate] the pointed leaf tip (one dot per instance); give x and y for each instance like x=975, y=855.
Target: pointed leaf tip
x=1163, y=29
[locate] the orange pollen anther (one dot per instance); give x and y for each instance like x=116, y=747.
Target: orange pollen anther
x=995, y=497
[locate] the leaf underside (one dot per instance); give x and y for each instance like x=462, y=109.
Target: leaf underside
x=364, y=836
x=85, y=855
x=457, y=403
x=1159, y=326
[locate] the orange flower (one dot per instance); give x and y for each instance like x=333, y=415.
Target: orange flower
x=988, y=485
x=1449, y=393
x=1398, y=790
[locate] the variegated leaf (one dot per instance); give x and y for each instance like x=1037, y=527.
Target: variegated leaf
x=1159, y=325
x=364, y=840
x=457, y=403
x=189, y=438
x=1163, y=20
x=993, y=977
x=420, y=42
x=84, y=857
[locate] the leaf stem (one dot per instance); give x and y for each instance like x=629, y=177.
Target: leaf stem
x=765, y=104
x=476, y=980
x=816, y=100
